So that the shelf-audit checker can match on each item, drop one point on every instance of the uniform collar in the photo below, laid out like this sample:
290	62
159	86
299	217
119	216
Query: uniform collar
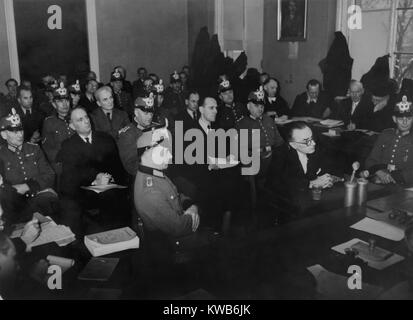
256	119
151	171
14	149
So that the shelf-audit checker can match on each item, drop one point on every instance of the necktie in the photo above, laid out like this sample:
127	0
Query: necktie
28	112
195	115
108	115
87	140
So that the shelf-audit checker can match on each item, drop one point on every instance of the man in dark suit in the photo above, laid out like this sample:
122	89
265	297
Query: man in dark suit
30	116
312	103
89	158
357	110
87	100
275	105
107	118
298	165
137	85
384	103
190	115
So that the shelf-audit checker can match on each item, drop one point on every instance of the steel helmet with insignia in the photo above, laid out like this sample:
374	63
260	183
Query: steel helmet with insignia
257	97
116	75
75	88
11	122
224	85
403	108
61	92
145	103
154	136
159	88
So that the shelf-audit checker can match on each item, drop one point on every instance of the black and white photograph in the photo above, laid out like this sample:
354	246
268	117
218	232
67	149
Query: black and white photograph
205	155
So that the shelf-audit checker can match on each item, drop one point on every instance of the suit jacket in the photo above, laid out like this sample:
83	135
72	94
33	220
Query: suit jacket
101	122
382	119
188	121
32	122
123	101
316	110
280	106
287	175
89	105
81	162
361	115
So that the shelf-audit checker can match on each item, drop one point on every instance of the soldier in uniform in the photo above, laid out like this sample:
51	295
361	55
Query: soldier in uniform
75	93
56	128
229	112
162	209
128	136
46	105
25	168
269	136
174	100
107	118
122	99
390	159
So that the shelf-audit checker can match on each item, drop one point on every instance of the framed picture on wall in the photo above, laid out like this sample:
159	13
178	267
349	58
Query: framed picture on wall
292	20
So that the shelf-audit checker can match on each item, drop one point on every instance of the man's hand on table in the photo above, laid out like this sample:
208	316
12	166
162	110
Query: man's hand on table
384	177
102	179
323	182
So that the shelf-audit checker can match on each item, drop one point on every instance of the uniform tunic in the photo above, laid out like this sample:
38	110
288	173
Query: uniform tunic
392	152
228	117
55	131
159	204
128	152
28	165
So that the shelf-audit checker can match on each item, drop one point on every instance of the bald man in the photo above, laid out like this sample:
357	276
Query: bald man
356	110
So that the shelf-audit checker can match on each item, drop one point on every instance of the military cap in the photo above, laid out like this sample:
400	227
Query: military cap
257	96
11	122
153	136
403	108
145	103
61	92
75	88
116	75
224	85
175	77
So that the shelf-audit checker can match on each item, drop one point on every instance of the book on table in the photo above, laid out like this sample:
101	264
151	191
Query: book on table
107	242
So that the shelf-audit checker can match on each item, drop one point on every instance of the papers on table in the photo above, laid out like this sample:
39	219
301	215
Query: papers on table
223	163
306	119
379	265
50	232
379	228
335	287
111	241
332	123
99	189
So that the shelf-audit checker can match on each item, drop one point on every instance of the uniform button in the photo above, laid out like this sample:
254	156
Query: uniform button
394	150
392	156
172	197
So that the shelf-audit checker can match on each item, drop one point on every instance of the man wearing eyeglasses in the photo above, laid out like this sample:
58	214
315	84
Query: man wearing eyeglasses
298	164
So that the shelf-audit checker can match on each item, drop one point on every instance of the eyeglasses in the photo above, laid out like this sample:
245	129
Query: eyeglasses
308	142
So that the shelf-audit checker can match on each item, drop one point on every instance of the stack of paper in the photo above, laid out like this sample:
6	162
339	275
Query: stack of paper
103	188
50	232
379	228
111	241
332	123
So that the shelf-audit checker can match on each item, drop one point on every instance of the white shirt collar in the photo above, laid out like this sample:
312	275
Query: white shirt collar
89	137
204	125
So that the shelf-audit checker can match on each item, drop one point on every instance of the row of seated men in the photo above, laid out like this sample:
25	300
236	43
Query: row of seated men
76	163
144	149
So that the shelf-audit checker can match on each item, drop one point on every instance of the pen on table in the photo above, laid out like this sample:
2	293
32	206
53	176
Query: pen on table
318	172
